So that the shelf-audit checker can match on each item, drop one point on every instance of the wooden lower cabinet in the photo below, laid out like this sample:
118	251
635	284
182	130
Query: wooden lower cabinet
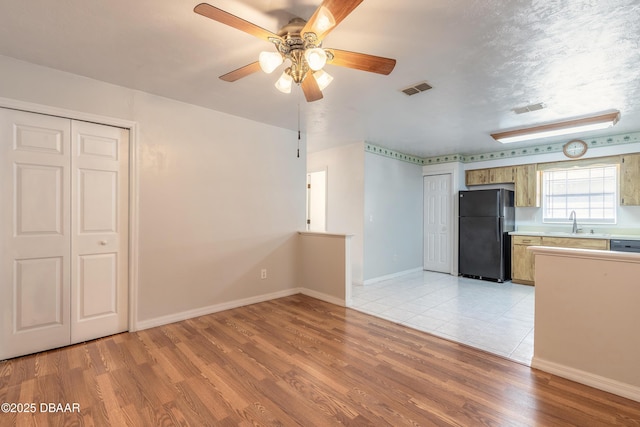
522	266
523	261
576	243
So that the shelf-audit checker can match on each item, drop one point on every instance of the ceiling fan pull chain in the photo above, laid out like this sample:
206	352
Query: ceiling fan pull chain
298	125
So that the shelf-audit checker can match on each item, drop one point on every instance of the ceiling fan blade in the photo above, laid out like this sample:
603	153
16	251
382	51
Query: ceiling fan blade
362	61
322	23
226	18
310	88
241	72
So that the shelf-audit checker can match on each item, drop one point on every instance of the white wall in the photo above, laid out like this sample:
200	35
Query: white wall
392	216
220	197
345	196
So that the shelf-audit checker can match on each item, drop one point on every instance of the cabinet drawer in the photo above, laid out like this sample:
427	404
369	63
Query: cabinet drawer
568	242
526	240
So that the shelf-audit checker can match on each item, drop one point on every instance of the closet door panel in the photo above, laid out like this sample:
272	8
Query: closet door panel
99	305
36	233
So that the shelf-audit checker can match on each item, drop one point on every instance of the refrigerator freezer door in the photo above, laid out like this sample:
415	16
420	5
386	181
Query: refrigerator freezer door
481	248
480	203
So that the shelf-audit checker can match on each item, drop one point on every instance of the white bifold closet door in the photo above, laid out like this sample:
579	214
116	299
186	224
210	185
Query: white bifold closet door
64	224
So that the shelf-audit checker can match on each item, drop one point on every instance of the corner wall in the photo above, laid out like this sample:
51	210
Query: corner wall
345	196
393	216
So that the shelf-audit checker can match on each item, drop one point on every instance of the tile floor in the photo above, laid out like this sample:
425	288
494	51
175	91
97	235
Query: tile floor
496	317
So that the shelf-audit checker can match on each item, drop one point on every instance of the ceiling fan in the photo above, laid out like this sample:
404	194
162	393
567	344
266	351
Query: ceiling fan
300	42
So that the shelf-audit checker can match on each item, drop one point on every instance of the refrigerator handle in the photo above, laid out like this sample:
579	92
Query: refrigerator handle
498	231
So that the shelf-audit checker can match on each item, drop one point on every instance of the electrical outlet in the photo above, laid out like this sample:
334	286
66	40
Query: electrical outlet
263	273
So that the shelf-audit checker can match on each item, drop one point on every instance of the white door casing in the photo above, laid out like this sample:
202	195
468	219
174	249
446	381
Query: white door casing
317	201
437	223
40	168
99	231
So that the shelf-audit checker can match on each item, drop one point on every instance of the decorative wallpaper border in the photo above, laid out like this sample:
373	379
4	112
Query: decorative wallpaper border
604	141
386	152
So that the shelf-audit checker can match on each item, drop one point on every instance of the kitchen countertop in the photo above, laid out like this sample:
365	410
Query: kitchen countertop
576	235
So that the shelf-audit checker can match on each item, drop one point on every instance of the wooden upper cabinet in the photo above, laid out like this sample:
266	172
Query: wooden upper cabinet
502	175
630	180
476	177
527	187
525	177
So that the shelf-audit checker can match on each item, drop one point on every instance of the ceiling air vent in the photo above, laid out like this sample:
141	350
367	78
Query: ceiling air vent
529	108
416	88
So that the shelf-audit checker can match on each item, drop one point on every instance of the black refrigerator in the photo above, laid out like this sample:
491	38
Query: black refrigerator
484	246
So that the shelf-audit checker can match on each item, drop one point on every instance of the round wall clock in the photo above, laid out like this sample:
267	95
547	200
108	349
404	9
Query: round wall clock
575	148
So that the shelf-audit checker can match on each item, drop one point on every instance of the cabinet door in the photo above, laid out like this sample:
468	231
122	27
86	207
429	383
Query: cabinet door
630	180
522	265
502	175
477	177
527	188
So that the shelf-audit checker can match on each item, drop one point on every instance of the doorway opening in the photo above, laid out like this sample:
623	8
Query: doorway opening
317	201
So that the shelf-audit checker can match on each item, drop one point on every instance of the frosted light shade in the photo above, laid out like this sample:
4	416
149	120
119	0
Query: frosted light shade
269	61
284	83
323	78
316	58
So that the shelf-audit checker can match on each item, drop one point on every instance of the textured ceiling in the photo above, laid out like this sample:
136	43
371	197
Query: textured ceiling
482	57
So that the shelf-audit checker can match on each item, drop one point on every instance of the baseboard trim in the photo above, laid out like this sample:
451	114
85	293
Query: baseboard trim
202	311
391	276
602	383
323	297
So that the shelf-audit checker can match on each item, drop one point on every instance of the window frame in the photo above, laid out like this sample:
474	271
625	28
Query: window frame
581	218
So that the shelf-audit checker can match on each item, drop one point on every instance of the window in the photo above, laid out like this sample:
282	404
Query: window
589	191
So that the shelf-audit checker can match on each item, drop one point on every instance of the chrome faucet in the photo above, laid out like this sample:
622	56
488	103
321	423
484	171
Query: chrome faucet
572	216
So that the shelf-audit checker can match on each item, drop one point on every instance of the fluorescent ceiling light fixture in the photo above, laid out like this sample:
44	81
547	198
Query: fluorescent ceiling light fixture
269	61
586	124
323	78
316	58
284	83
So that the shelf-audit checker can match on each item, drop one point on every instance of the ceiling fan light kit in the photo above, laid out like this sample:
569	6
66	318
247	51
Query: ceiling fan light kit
323	78
316	58
300	42
284	83
269	61
567	127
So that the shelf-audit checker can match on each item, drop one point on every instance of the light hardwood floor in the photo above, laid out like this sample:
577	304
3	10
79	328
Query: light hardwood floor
295	361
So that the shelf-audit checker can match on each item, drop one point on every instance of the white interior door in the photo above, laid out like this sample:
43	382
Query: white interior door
317	201
99	261
437	223
64	224
35	241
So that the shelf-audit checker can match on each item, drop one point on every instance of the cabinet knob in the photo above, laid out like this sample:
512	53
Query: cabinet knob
103	242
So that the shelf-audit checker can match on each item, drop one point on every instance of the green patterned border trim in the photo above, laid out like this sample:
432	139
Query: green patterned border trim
629	138
386	152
